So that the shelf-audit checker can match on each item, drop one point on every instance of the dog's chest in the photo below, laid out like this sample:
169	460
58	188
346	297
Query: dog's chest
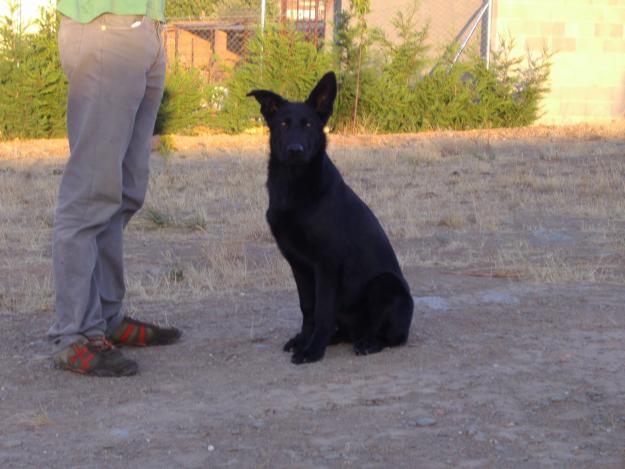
289	232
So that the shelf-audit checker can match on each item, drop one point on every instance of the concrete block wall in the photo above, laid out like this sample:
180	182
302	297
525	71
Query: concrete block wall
588	37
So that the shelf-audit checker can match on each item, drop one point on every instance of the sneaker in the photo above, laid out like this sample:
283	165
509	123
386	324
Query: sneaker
139	334
94	356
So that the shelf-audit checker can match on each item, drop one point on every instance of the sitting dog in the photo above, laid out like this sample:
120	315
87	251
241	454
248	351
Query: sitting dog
350	285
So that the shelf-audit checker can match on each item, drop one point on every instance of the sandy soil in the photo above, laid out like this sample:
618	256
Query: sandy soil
517	352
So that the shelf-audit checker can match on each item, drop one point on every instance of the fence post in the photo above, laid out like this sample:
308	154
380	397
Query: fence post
263	9
489	24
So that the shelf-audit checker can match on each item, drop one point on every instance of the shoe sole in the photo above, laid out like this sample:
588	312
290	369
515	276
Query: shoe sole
129	370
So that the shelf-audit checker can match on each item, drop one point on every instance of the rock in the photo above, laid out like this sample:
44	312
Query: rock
433	302
120	432
476	434
425	422
501	298
258	424
546	236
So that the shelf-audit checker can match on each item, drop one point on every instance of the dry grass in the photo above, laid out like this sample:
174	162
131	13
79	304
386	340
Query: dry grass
544	204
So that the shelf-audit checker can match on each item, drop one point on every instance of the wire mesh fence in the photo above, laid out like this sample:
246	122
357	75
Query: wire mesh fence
454	21
213	45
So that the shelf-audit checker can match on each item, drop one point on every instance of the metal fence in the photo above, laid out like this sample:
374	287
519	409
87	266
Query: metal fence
448	22
465	23
212	45
215	44
307	16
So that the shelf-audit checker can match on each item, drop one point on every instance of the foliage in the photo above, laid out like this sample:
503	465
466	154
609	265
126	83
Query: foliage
351	50
470	95
189	8
166	146
397	95
279	60
33	91
187	101
384	85
227	8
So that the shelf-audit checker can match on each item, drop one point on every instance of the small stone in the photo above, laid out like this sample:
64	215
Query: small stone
425	422
476	434
120	432
501	298
432	302
211	448
258	424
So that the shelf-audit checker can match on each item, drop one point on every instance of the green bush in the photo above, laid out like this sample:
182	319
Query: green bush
280	60
189	8
187	101
33	90
384	86
397	95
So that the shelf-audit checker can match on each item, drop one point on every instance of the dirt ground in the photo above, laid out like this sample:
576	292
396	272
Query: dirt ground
513	243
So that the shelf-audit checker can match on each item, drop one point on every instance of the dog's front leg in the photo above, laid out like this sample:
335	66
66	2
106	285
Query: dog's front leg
304	279
326	294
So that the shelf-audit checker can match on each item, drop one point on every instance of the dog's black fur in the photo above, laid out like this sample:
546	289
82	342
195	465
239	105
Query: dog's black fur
349	282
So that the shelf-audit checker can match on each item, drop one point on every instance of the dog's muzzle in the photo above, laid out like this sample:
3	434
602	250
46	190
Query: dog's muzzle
295	149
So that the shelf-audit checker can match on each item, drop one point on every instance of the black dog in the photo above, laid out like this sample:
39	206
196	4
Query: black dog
349	282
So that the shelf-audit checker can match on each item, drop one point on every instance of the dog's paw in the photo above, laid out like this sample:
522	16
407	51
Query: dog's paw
307	356
367	347
294	344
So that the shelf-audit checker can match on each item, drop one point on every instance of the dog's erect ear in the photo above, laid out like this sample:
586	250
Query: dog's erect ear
269	102
321	99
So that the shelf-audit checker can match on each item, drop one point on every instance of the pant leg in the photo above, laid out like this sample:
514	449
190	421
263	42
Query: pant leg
106	63
135	169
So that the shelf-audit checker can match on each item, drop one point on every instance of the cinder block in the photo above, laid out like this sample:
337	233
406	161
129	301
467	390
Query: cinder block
574	108
618	108
599	108
616	31
614	45
608	30
552	28
525	27
537	44
564	44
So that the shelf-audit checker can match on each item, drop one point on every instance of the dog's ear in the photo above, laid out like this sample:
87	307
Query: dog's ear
269	102
321	99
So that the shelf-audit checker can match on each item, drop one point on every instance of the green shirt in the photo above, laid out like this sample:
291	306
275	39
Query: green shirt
85	11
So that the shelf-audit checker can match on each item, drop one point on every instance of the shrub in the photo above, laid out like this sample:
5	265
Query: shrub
383	85
279	60
33	90
397	95
187	101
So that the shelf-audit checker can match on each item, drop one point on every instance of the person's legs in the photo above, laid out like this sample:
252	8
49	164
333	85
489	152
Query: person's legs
107	63
109	272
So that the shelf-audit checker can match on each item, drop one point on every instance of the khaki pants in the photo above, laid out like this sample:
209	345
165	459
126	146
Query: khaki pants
115	66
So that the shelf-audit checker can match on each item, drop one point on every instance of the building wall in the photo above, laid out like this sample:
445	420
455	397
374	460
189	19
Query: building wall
588	38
